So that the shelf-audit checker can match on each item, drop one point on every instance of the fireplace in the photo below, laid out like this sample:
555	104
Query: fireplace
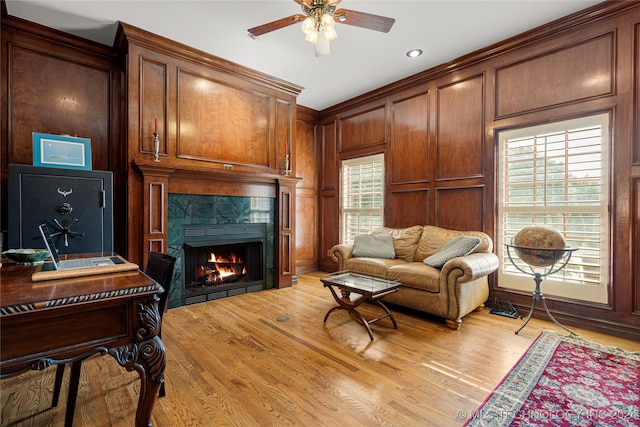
199	221
221	260
180	192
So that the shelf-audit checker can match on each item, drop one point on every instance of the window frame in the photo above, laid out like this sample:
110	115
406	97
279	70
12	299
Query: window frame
372	158
560	284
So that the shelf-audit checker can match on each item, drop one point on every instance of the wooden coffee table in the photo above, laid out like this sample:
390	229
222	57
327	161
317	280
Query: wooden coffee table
370	288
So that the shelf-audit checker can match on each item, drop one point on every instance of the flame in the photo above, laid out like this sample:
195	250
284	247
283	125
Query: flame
225	272
232	258
221	262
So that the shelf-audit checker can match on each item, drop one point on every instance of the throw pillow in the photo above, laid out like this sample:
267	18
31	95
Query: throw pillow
404	240
458	246
374	246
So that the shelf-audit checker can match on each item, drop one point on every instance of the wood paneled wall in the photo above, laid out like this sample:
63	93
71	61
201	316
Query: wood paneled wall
437	161
438	132
224	129
305	158
56	83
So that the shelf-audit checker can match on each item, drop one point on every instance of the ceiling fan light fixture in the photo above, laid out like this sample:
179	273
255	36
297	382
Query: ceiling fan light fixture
328	27
309	25
317	23
330	35
312	37
327	21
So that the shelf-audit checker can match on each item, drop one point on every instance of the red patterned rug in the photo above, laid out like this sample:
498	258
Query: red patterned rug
566	381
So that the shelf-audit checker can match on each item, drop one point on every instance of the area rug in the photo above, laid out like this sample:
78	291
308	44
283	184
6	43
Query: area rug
566	381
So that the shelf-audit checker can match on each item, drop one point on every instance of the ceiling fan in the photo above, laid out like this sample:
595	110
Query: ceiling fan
318	22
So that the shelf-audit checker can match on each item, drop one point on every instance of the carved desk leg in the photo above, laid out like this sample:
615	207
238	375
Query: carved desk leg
147	357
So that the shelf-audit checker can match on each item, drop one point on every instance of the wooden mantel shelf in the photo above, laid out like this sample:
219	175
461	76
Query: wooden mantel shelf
184	171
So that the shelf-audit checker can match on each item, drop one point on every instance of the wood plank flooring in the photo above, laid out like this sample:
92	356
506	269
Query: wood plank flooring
267	359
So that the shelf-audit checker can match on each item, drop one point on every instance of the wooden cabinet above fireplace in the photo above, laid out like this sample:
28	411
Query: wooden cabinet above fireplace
205	110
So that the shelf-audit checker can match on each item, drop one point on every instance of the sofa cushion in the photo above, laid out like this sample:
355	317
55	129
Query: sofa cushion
404	240
416	275
458	246
374	246
376	266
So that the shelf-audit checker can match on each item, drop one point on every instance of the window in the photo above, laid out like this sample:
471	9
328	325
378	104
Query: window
362	205
557	175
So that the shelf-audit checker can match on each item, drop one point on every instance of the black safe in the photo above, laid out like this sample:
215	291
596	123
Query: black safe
76	205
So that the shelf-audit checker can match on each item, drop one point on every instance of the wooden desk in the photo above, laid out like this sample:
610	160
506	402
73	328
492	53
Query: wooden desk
66	320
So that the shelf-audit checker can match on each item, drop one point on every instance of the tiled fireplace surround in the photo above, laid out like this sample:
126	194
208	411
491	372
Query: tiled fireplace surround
176	193
211	209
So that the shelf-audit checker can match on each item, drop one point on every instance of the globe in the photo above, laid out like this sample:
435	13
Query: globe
537	245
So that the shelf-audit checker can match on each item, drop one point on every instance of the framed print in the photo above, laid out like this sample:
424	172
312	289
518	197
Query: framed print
61	151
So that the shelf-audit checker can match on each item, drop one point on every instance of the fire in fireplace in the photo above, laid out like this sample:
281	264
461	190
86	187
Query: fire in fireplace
223	266
221	260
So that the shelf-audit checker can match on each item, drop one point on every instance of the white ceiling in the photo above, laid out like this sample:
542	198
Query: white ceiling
361	60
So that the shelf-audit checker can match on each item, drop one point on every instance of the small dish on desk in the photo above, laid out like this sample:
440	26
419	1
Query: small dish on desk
26	256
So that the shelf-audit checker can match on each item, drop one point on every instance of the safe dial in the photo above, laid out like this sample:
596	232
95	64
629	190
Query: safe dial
65	208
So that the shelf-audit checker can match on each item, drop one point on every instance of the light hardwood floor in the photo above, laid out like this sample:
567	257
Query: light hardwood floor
267	359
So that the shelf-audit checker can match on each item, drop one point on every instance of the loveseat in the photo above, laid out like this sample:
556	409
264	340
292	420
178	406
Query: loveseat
451	291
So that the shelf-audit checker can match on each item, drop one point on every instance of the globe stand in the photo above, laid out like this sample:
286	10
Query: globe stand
558	255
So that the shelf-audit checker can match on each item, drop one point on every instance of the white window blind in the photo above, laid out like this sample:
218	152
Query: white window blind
556	175
362	205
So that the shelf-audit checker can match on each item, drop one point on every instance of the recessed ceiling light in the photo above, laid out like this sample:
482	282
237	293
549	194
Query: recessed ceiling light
414	53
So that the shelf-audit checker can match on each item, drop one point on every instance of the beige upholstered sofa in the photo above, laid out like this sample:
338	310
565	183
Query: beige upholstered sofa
452	291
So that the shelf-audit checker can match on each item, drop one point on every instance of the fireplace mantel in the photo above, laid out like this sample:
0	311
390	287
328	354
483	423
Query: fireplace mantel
213	173
161	178
190	179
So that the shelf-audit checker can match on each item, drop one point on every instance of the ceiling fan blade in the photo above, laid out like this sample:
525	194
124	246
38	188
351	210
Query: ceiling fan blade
364	20
275	25
322	48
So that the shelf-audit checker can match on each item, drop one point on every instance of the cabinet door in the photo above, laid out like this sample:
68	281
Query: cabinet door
77	207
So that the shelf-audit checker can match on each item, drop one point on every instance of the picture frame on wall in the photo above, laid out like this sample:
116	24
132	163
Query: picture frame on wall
61	151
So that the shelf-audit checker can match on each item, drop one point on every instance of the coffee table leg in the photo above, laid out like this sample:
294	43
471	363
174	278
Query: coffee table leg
364	322
331	311
353	311
347	304
386	310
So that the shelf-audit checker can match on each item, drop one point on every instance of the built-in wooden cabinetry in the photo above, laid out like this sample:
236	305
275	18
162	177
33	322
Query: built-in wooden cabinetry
438	131
223	130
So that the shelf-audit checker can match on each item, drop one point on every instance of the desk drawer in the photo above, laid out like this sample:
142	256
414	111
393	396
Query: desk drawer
67	331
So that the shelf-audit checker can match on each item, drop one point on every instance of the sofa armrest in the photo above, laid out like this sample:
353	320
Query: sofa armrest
341	253
470	267
464	283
